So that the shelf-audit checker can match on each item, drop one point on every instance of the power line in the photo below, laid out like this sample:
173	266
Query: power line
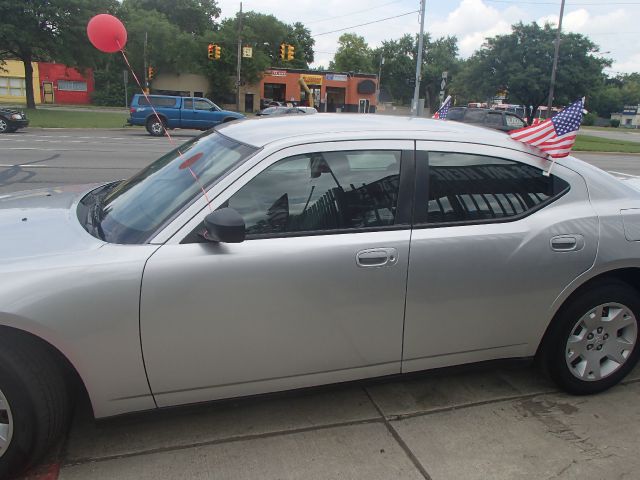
353	13
368	23
578	4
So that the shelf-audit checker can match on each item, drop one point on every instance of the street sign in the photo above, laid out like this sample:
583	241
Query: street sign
247	52
445	75
443	84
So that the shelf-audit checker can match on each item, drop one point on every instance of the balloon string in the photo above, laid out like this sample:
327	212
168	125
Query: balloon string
166	132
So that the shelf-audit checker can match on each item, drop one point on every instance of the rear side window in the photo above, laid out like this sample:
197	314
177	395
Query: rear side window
455	114
494	119
471	188
158	101
321	192
513	121
474	115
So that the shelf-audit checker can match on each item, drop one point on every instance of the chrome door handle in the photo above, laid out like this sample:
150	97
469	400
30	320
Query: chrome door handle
567	243
377	257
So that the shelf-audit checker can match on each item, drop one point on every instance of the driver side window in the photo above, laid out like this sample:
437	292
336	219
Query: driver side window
325	191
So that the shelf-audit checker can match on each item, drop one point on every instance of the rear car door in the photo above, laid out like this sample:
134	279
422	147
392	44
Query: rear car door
189	119
495	242
316	292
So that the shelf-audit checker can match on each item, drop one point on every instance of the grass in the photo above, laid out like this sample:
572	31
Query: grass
75	119
585	143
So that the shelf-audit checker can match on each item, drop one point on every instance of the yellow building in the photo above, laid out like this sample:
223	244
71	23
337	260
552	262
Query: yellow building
12	82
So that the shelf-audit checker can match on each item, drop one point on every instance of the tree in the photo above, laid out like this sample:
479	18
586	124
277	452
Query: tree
353	55
399	66
440	56
520	63
33	30
192	16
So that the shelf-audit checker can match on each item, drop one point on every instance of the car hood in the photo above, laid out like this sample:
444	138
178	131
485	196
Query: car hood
9	111
42	222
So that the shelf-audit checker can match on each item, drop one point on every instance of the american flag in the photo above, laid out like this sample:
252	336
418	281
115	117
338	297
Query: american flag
556	135
443	111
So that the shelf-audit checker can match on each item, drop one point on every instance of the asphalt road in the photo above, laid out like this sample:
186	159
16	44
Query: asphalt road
36	158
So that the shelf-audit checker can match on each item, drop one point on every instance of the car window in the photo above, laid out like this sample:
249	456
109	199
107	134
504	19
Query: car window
474	115
321	191
466	187
188	104
494	119
513	121
202	105
158	101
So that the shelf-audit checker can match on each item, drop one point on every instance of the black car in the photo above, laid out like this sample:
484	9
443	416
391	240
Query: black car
286	111
486	117
12	120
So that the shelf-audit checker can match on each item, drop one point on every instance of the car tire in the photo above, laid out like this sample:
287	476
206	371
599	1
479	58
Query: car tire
35	409
593	342
156	127
4	125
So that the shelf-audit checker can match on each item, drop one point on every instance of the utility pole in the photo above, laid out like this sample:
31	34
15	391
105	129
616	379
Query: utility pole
416	92
239	59
144	56
555	62
379	79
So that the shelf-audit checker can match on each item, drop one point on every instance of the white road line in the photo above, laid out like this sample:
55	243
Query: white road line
36	165
625	174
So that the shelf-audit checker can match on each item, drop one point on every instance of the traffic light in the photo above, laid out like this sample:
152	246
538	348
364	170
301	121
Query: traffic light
290	52
283	48
210	53
217	52
151	72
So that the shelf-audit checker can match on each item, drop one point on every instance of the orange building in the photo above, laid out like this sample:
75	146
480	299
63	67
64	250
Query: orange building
332	92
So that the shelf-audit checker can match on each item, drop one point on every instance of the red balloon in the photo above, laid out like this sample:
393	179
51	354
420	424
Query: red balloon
107	33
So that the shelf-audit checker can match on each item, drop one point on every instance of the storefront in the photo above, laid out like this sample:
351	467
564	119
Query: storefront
13	85
332	92
62	84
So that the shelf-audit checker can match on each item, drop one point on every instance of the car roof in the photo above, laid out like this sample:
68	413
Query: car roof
342	126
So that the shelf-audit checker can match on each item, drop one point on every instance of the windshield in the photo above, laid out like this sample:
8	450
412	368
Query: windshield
133	210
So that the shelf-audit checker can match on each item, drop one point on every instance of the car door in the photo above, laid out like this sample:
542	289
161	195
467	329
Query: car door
187	112
495	242
205	113
315	294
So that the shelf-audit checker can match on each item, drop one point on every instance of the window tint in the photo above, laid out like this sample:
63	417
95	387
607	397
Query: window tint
188	104
513	121
158	101
475	115
202	105
322	191
465	187
494	119
455	114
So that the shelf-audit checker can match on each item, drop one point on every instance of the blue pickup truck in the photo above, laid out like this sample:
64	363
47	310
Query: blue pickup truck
177	112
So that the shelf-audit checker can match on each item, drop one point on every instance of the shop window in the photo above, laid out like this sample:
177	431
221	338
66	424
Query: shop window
12	86
72	86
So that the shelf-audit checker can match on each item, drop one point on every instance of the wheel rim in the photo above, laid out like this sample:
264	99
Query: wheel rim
6	424
156	127
601	341
3	125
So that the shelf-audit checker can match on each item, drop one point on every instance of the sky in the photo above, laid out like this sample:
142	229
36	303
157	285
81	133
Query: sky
611	24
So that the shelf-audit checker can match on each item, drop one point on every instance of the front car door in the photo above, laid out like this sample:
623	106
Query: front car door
316	292
495	242
205	113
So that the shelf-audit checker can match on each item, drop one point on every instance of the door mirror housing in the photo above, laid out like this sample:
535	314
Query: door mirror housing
225	226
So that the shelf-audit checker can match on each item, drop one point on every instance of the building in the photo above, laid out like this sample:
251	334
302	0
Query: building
332	92
52	83
629	117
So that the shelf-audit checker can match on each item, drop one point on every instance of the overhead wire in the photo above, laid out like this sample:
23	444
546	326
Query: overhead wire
367	23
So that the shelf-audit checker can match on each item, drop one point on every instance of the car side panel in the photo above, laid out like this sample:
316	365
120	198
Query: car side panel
86	305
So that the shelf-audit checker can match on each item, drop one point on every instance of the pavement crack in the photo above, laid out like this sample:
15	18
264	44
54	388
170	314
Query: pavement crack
403	445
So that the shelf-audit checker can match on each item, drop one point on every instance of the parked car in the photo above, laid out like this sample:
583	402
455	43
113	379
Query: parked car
177	112
272	111
11	120
497	119
359	246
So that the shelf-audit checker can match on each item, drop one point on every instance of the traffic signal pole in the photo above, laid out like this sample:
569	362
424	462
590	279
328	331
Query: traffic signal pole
416	92
239	59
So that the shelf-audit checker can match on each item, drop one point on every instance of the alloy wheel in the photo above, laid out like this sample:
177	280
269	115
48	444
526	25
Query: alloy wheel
156	127
601	341
6	424
3	125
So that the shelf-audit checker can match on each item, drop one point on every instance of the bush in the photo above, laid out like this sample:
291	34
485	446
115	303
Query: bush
589	119
614	122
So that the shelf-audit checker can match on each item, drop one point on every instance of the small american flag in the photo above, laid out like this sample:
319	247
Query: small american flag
556	135
443	111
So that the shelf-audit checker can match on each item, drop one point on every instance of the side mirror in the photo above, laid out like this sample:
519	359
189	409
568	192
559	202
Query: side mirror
224	225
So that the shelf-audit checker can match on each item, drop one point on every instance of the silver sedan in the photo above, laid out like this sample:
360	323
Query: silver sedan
266	256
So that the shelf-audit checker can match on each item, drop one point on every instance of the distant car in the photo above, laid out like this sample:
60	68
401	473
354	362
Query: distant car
286	111
279	254
497	119
11	120
177	112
